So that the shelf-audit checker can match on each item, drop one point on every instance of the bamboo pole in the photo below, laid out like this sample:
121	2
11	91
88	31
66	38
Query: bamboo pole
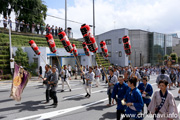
43	59
58	61
103	69
78	63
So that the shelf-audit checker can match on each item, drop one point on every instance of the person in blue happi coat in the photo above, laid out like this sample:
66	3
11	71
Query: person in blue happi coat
146	91
133	100
120	89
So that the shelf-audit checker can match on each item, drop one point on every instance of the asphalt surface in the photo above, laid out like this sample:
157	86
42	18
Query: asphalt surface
71	105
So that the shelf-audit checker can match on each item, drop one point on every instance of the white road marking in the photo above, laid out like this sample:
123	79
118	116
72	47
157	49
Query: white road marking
74	96
74	89
59	112
178	107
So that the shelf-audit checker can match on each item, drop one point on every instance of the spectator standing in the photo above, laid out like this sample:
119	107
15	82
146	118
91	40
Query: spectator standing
56	31
21	25
38	28
59	30
5	22
52	30
27	27
42	29
17	24
47	28
10	22
33	27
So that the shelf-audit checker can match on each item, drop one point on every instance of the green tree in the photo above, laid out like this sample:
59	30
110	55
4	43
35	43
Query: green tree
166	57
21	57
28	10
174	57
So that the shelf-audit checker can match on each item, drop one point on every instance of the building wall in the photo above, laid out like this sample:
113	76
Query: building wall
139	46
116	47
47	57
176	49
175	41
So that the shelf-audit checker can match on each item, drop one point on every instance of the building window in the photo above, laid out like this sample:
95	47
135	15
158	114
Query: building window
120	54
108	42
109	54
36	62
120	40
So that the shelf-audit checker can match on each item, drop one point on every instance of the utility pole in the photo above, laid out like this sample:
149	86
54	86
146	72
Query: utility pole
66	16
93	19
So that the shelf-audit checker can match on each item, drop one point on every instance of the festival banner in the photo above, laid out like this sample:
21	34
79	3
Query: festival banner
20	79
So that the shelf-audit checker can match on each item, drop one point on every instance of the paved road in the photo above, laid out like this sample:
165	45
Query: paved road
72	105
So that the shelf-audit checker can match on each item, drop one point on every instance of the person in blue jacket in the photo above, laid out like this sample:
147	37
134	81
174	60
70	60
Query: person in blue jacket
120	89
146	91
133	100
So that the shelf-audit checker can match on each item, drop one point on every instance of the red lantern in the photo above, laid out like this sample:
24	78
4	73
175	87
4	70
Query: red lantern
104	48
51	43
86	49
127	45
65	41
75	50
34	47
89	38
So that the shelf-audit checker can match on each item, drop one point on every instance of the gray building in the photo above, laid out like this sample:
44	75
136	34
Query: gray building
139	46
148	48
115	47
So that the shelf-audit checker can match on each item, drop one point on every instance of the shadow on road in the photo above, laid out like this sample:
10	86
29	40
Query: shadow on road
76	98
178	99
1	117
25	106
100	107
6	100
108	116
4	90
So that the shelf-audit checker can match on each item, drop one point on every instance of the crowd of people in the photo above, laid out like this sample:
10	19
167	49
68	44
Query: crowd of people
39	28
127	86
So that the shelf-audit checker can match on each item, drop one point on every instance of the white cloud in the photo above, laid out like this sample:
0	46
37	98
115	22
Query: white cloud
156	15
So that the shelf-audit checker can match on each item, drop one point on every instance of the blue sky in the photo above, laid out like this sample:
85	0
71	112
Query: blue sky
154	15
57	4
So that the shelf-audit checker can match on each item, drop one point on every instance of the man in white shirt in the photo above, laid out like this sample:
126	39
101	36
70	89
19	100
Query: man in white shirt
97	75
64	77
69	69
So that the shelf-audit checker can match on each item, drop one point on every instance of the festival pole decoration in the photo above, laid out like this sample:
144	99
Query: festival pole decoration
86	51
52	45
127	46
70	48
35	49
75	53
90	41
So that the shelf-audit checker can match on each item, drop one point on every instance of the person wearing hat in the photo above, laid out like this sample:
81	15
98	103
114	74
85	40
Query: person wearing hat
119	90
53	82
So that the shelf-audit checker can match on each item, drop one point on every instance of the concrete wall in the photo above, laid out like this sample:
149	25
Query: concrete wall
115	47
139	47
175	41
